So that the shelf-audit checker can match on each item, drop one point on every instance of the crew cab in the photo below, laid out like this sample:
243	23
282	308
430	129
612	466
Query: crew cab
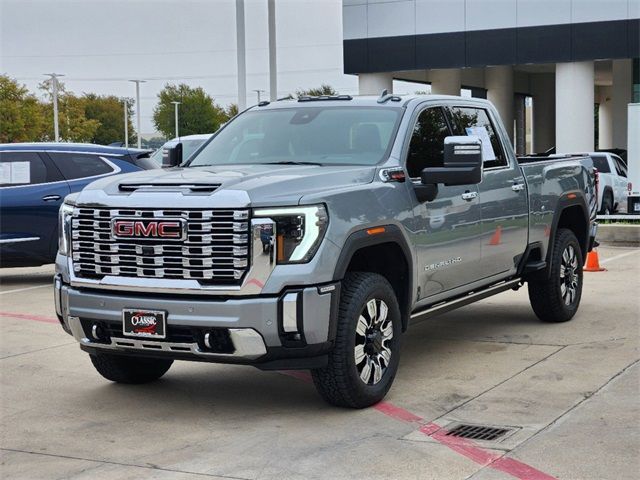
381	211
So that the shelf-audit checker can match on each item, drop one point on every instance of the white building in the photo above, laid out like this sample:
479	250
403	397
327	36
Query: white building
567	55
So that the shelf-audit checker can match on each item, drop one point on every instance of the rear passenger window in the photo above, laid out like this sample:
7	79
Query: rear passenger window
622	170
427	141
474	121
80	165
601	163
22	168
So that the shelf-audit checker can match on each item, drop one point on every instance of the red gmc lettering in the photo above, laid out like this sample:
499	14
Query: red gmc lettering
132	228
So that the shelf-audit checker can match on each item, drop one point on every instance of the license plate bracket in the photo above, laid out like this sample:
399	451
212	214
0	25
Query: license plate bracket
144	323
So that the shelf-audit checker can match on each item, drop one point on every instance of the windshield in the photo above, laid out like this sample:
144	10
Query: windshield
318	135
188	147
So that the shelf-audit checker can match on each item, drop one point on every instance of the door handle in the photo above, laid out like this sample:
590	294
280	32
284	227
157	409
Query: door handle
51	198
468	196
517	187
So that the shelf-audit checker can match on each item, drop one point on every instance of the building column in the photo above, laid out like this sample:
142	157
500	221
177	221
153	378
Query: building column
374	83
621	97
574	107
445	82
499	84
543	90
605	118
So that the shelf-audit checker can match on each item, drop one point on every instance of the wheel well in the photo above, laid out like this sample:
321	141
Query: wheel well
574	219
388	260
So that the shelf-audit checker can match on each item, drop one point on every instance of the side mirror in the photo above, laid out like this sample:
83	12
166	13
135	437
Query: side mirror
462	163
172	156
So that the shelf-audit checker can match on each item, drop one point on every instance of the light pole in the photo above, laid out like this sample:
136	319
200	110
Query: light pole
126	123
138	82
259	92
175	104
240	57
54	87
273	64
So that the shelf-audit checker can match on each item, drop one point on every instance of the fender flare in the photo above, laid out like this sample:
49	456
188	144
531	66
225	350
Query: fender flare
564	203
361	239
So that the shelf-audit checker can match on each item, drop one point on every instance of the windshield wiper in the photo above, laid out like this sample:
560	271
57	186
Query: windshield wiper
291	162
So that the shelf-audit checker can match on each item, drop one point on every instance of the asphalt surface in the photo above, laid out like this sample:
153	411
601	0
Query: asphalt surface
570	394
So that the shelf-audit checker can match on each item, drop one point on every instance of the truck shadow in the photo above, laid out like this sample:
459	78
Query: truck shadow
192	389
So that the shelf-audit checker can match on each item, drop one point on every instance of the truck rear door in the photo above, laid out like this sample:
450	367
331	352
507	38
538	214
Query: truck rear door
503	193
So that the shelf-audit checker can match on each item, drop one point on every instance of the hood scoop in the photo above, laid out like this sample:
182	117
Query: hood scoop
184	188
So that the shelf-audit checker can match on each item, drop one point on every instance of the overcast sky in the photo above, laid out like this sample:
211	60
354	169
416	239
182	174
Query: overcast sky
100	44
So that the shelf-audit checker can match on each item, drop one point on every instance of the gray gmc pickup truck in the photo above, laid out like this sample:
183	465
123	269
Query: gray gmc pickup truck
311	233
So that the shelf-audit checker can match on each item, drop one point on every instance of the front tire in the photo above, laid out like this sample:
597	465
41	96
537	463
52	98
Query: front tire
365	357
130	370
556	299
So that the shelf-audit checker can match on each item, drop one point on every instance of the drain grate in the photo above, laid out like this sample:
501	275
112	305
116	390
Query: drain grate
478	432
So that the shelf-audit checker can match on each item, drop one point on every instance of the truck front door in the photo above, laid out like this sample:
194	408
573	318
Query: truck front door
446	230
503	193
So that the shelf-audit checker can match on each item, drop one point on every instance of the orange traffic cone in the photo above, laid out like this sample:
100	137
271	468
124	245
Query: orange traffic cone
593	262
496	237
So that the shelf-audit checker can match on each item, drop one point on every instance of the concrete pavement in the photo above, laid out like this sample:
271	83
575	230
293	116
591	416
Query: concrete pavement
570	392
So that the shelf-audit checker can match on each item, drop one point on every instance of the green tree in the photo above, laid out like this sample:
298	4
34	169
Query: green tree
197	111
109	111
231	111
323	89
73	124
21	115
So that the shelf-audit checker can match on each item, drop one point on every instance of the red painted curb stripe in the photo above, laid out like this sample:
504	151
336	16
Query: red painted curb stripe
396	412
35	318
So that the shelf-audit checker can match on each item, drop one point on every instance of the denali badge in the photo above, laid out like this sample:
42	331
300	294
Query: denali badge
148	229
443	264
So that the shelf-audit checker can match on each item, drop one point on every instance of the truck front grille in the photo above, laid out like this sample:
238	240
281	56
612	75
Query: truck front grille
214	250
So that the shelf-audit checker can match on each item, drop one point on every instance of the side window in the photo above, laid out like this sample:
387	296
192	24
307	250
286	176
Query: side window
80	165
475	121
601	163
622	171
22	168
426	148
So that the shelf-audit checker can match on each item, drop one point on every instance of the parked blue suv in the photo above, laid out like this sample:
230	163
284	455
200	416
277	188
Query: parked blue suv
35	178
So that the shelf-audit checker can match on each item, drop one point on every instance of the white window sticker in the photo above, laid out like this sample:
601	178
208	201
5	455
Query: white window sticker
15	172
487	148
5	172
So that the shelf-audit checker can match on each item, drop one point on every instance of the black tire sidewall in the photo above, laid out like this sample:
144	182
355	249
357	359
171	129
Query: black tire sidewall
380	290
567	238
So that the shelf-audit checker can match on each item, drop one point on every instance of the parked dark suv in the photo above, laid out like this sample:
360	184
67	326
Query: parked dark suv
35	178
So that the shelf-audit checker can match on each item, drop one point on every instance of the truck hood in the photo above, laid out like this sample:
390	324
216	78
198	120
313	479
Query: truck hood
257	185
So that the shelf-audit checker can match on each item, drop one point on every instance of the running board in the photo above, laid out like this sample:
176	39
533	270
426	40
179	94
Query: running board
463	300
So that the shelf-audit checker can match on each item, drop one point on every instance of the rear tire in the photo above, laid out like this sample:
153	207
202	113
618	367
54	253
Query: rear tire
365	357
607	204
130	370
556	298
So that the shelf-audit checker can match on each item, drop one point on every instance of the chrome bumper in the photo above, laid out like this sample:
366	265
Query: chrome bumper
247	342
296	318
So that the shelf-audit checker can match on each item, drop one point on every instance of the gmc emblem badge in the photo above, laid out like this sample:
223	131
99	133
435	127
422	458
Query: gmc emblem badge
170	229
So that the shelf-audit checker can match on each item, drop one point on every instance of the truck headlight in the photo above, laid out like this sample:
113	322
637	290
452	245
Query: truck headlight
64	229
299	231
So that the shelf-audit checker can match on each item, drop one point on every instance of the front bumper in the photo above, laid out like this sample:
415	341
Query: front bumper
292	330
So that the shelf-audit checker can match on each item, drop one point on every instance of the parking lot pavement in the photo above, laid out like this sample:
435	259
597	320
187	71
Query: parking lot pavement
570	394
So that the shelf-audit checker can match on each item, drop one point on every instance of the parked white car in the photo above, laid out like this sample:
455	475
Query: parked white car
613	185
190	143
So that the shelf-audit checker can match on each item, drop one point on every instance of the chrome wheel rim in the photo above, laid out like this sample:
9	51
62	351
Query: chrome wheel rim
569	277
374	332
